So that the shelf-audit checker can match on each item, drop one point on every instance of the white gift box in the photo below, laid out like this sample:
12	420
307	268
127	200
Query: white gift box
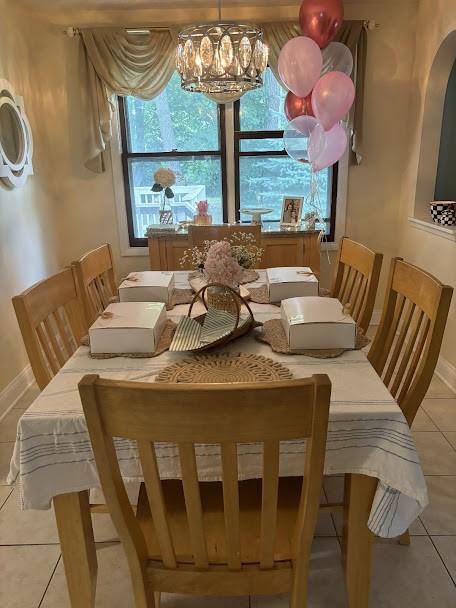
147	286
291	282
317	323
128	327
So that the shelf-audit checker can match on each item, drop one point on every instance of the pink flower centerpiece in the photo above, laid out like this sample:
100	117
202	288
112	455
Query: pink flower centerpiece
221	267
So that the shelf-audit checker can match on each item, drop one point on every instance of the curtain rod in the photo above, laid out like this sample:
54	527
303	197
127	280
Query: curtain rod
71	31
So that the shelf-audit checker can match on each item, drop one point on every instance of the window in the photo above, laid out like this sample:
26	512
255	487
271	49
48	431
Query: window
187	133
263	170
179	130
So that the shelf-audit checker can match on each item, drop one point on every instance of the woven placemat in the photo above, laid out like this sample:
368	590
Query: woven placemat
272	333
224	368
163	345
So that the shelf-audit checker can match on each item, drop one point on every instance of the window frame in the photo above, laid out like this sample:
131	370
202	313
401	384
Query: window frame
126	155
240	135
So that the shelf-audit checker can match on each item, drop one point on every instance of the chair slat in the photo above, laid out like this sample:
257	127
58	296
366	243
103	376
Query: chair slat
359	299
231	504
391	334
413	368
351	291
43	338
94	296
63	327
193	505
156	501
56	348
101	288
410	344
399	343
271	454
346	282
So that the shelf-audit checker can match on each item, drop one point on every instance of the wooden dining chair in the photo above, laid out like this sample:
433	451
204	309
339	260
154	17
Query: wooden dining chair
407	344
51	322
356	280
198	234
96	281
226	537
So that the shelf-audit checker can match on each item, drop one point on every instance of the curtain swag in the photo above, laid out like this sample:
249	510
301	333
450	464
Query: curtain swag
119	62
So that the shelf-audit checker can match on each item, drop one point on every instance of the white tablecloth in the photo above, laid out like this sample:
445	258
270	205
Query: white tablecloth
367	433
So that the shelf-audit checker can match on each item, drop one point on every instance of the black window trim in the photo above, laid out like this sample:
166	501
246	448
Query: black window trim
127	155
240	135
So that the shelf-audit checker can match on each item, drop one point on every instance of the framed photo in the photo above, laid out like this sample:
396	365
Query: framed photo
291	210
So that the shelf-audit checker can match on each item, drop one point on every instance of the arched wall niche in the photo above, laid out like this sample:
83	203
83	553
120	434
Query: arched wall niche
432	125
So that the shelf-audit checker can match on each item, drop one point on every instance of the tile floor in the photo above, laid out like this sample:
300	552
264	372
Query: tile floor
420	576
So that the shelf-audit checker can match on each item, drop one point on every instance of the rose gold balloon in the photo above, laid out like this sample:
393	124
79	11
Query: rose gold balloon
298	106
321	20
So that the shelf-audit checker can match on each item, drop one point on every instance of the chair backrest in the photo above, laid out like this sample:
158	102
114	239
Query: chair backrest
199	234
356	280
223	415
51	322
96	281
407	344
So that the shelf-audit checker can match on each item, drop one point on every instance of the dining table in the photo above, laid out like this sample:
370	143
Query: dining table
369	443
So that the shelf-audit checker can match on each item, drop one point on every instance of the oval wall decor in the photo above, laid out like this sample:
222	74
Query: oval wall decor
16	142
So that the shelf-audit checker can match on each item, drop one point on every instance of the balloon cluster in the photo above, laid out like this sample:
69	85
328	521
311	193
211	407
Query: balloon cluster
317	73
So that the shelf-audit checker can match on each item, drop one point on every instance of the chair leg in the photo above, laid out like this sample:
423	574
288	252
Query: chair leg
157	596
404	539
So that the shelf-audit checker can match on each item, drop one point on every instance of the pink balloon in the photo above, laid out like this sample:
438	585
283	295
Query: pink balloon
300	62
334	145
332	98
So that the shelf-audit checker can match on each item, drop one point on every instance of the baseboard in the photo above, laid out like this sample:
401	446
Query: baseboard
11	394
446	372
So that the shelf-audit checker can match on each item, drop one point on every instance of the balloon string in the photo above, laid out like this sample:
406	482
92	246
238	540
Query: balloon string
314	202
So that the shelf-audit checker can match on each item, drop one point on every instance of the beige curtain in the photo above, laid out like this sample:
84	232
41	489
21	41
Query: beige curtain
119	62
353	34
123	63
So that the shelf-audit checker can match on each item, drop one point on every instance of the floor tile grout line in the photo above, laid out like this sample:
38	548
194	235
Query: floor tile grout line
447	440
435	424
6	499
443	562
49	581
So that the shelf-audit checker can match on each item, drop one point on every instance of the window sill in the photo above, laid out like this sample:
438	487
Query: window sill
441	231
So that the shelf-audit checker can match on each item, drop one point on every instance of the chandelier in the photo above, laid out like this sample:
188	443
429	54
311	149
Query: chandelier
221	57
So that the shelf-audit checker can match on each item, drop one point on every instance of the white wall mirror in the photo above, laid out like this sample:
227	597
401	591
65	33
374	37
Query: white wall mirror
16	143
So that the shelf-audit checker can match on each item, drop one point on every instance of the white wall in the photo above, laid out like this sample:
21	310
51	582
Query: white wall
28	230
436	21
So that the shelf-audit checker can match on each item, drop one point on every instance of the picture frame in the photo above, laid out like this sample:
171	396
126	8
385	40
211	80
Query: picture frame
291	210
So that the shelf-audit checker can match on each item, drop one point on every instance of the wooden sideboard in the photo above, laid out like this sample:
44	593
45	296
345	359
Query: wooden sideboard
281	248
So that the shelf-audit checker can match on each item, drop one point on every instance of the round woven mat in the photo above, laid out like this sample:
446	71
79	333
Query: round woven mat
224	367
